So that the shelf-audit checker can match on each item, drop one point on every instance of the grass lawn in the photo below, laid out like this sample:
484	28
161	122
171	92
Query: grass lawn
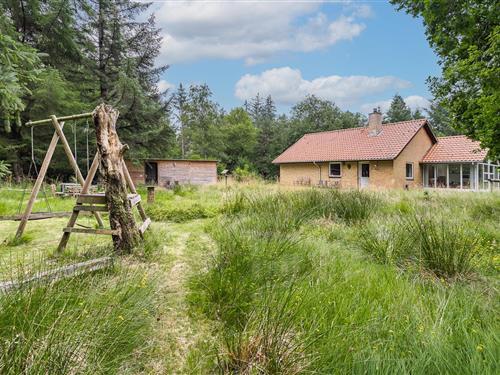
259	278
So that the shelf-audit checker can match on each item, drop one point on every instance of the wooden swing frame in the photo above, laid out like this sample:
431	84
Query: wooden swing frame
84	196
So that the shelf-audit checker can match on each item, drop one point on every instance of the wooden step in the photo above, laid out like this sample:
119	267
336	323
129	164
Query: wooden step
100	198
145	225
91	208
109	232
134	199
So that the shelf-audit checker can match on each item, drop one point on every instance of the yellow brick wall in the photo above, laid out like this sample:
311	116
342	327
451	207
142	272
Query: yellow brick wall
412	153
381	175
291	173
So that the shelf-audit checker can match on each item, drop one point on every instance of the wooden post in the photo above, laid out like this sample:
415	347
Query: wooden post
38	183
151	194
72	161
113	170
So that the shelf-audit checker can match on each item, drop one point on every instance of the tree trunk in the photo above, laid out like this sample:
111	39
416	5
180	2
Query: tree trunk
111	151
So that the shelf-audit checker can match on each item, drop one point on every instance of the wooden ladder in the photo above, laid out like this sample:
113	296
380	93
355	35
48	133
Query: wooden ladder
97	203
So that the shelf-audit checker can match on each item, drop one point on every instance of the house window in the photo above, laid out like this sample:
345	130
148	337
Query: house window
409	171
335	169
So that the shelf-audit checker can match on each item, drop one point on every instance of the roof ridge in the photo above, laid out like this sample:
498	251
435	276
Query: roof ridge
455	136
405	121
364	127
336	130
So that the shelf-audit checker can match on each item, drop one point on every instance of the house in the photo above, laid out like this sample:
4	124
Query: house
169	172
401	155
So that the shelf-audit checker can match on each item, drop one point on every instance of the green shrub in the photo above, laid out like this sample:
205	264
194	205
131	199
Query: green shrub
386	243
14	241
184	190
160	212
442	245
269	343
445	246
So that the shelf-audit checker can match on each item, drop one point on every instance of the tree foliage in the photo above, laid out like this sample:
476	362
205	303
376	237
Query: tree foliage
63	57
398	111
466	36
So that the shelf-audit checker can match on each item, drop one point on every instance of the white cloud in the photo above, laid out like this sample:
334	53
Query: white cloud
287	86
412	101
252	31
164	85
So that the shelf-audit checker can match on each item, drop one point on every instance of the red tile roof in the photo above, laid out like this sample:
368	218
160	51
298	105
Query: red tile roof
353	144
455	149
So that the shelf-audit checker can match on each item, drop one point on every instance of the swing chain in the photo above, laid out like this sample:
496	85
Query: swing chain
33	165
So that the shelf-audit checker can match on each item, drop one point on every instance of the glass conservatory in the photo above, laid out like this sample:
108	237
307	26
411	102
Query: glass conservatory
468	176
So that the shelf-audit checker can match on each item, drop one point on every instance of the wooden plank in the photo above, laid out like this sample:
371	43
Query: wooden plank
63	118
109	232
145	225
134	199
91	198
64	272
36	216
38	183
91	208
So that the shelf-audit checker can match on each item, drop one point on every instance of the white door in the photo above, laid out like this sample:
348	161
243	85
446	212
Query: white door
364	175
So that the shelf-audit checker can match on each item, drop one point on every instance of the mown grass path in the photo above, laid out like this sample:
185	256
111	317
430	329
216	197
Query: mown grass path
180	340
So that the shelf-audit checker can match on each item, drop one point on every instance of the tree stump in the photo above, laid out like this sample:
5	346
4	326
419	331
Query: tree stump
111	151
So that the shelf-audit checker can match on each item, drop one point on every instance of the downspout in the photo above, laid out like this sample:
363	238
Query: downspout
319	167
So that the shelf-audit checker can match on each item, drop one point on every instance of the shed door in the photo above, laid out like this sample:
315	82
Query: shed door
151	173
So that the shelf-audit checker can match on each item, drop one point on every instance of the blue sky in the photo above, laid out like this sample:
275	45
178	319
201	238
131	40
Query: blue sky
356	53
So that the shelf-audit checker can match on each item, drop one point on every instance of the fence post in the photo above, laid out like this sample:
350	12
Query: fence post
151	194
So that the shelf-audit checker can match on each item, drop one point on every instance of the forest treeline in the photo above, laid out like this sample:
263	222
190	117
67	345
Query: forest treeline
64	57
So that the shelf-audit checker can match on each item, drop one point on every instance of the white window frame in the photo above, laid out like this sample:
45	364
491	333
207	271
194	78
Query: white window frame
412	171
330	170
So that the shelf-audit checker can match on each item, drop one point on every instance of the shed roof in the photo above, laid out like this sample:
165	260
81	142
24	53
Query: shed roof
191	160
354	144
459	148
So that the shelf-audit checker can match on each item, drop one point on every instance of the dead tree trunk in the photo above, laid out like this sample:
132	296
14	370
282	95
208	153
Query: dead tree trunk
111	151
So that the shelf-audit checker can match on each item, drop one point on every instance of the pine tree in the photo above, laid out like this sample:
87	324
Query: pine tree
398	111
203	130
120	51
440	119
416	115
180	102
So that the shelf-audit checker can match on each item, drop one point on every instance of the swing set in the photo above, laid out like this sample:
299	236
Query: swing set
33	172
93	203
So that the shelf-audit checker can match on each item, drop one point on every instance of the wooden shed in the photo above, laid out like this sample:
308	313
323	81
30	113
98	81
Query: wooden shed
169	172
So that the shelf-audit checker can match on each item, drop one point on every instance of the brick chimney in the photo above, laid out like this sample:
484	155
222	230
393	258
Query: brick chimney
375	122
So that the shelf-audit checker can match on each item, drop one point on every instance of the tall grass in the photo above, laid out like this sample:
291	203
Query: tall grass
87	324
445	246
345	313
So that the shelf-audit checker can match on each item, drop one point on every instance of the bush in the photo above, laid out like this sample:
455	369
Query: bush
386	243
159	212
445	246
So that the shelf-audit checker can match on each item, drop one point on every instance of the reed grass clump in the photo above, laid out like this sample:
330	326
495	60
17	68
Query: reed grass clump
445	246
